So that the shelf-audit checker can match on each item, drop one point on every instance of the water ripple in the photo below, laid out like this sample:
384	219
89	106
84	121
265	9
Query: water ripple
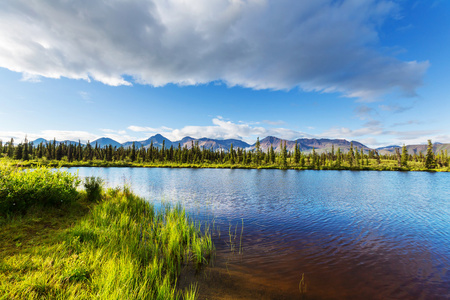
382	235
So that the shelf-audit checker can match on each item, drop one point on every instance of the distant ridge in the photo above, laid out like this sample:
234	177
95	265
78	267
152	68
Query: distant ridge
104	142
388	147
44	141
416	149
306	145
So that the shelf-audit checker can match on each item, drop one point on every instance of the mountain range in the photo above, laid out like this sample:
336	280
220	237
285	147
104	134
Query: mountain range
306	145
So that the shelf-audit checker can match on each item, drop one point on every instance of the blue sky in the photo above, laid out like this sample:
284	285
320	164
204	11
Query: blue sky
372	71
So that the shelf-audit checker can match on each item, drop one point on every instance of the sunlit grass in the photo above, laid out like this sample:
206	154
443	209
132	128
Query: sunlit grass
118	248
384	165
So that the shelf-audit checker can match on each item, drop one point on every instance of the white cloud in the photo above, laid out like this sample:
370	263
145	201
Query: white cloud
370	135
347	133
223	129
149	129
62	135
373	136
317	45
59	135
30	77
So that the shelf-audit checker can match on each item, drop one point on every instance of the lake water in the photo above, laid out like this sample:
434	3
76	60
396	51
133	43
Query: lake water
354	235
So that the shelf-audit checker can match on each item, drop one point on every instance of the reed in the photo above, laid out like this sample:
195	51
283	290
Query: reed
302	285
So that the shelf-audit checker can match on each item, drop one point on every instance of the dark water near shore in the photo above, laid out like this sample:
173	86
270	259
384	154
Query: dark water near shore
354	235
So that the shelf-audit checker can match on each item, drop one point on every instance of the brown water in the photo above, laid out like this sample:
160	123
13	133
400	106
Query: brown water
354	235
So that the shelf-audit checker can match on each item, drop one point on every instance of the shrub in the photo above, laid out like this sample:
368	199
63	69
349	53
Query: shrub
94	188
22	189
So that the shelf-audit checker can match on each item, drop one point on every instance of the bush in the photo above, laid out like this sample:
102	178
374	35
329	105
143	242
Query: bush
22	189
94	188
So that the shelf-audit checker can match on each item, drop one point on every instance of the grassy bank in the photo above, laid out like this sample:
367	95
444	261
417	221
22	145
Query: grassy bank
372	165
117	248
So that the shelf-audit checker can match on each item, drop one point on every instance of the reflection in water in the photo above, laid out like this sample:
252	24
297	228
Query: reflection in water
353	234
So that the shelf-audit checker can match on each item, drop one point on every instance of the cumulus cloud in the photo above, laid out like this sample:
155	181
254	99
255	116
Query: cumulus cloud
316	45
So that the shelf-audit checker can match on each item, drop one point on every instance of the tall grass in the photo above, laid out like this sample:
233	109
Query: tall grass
122	249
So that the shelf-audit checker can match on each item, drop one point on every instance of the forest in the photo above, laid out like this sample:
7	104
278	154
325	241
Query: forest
71	154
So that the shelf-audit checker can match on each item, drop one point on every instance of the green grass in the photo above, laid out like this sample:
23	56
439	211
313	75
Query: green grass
117	248
385	165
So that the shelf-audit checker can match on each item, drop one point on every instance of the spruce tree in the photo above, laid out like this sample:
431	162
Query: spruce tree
296	153
430	161
231	154
133	152
18	152
272	154
283	155
11	148
25	150
332	152
351	155
404	156
258	150
338	157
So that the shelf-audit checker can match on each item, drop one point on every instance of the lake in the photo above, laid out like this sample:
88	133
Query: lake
353	235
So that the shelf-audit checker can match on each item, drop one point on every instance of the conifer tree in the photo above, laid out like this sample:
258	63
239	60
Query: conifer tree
25	150
58	154
258	150
11	148
430	161
351	155
296	153
404	156
283	155
332	152
231	154
133	152
357	156
362	157
398	156
338	157
272	154
18	152
314	156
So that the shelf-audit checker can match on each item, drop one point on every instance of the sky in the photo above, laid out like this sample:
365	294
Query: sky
374	71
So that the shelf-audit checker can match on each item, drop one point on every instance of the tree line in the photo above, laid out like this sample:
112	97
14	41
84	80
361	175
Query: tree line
353	158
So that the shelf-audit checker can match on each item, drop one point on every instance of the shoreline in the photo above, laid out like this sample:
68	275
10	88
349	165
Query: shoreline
103	164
